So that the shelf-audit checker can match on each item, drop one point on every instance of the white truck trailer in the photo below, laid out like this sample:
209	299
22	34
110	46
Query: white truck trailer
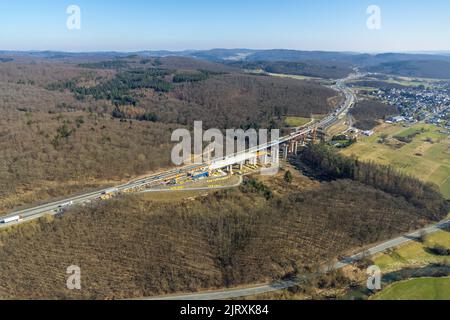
11	219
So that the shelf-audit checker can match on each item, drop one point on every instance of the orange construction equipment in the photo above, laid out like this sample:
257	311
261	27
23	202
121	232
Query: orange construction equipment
314	135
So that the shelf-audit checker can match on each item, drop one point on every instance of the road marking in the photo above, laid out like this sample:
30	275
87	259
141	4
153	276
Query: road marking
161	177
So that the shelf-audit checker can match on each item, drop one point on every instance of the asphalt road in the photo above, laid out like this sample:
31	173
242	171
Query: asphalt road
281	285
54	207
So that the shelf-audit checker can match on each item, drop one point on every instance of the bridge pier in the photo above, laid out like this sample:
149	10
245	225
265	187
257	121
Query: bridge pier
255	159
275	153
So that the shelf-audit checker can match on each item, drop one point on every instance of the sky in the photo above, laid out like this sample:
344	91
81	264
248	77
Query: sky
134	25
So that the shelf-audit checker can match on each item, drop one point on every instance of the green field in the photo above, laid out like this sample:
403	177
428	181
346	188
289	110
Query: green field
414	254
292	76
296	121
410	132
429	161
412	82
361	88
417	289
403	81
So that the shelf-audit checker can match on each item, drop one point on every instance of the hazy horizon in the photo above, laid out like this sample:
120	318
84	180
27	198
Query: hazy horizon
404	26
211	49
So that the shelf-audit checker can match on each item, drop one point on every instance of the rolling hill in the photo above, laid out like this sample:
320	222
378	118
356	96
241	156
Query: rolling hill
317	63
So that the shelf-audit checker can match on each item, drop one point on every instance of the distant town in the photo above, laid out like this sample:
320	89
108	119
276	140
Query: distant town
419	103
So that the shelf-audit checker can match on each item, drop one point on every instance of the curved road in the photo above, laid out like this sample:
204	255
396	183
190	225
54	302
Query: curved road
158	179
280	285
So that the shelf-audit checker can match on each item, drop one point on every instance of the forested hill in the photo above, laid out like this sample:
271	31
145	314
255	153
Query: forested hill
325	70
268	229
307	63
66	120
438	69
181	90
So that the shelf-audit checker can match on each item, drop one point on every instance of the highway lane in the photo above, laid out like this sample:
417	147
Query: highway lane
324	123
55	207
234	293
33	213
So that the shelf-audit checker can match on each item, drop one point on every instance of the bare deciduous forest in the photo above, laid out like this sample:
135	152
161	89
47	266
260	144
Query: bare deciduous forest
132	247
68	126
55	142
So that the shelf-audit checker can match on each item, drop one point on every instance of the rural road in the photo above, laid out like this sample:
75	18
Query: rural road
280	285
36	212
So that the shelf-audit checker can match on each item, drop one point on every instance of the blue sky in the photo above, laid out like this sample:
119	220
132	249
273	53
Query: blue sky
407	25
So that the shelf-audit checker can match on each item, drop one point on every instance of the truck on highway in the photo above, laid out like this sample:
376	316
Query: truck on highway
111	190
67	204
11	219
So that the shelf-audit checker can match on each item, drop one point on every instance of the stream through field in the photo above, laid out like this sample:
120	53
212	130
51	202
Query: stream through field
429	271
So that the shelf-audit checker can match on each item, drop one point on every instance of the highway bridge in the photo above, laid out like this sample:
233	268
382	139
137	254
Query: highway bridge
298	136
288	143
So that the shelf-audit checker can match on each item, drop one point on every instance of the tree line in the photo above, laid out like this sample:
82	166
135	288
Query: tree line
328	163
200	75
367	112
118	90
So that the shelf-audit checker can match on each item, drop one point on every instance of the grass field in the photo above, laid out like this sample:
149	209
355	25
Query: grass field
296	121
412	82
403	81
409	132
292	76
417	289
429	161
414	254
362	88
